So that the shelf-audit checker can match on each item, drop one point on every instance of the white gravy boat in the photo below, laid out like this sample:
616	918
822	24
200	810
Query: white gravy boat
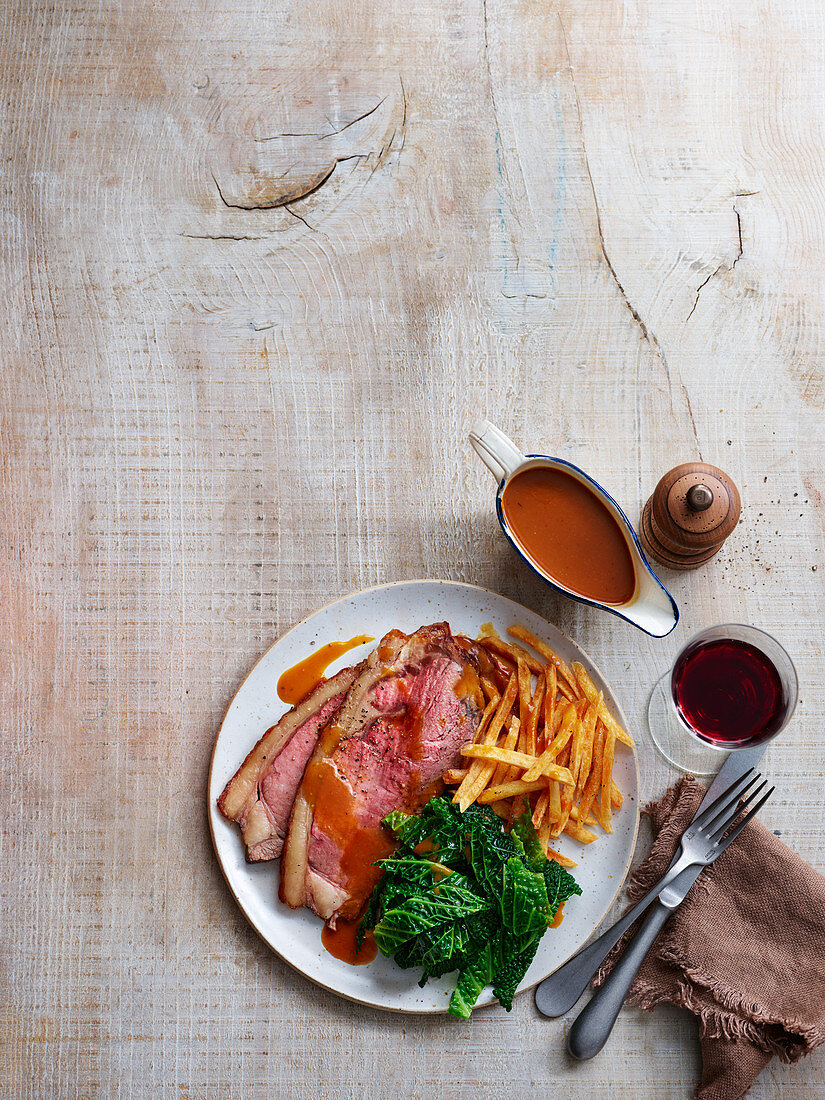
651	607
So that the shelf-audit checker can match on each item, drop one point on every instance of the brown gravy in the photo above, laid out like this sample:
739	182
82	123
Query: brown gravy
333	800
559	917
569	534
360	843
298	681
340	942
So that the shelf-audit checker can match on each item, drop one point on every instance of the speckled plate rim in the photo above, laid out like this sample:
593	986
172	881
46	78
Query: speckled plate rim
225	835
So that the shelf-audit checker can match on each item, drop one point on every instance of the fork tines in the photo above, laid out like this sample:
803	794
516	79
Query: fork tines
724	840
723	812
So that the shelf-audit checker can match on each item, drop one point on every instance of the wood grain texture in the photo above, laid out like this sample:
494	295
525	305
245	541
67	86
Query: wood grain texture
263	265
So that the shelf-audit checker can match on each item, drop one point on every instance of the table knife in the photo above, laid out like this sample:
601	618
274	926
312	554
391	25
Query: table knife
558	993
592	1028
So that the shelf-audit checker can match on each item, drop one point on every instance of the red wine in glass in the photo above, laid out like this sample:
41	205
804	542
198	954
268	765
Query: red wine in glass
731	687
729	692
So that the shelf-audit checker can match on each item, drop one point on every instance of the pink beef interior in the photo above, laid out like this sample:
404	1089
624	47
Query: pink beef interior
281	779
418	735
260	794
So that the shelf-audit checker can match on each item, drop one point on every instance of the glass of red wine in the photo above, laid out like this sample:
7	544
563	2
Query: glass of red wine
731	687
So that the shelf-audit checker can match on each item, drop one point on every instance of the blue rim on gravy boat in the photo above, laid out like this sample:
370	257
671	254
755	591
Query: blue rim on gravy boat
614	609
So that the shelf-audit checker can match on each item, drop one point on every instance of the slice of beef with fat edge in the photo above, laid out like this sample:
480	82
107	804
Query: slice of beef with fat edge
416	702
259	796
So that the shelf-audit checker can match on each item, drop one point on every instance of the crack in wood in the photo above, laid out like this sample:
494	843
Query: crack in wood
222	237
649	336
488	66
273	205
403	114
332	133
507	193
699	290
722	266
280	202
300	219
739	234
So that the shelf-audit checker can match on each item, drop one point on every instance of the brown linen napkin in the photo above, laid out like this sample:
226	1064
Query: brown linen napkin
744	952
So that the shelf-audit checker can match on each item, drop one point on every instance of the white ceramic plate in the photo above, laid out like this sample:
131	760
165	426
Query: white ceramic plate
296	936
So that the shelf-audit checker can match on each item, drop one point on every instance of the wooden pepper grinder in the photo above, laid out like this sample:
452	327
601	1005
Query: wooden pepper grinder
692	511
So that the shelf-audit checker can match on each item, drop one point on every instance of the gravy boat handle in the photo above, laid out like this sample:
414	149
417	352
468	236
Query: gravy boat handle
496	450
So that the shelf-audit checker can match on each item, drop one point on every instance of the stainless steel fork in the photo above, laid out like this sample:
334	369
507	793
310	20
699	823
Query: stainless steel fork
702	842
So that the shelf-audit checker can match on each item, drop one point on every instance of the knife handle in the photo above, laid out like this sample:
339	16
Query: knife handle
591	1029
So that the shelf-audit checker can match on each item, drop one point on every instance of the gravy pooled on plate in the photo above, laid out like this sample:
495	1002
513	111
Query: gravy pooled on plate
297	682
569	534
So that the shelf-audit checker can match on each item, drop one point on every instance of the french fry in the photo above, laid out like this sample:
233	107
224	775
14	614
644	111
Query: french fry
548	805
491	773
489	688
578	832
516	809
511	790
607	779
576	749
524	635
598	813
454	775
524	691
575	815
558	743
499	755
563	757
588	733
594	780
471	788
520	759
566	805
564	731
489	727
559	858
503	775
529	736
588	688
550	693
544	833
554	802
616	796
540	807
511	652
565	793
508	743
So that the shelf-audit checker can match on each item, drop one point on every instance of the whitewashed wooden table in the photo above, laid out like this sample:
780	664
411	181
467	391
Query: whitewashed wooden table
264	263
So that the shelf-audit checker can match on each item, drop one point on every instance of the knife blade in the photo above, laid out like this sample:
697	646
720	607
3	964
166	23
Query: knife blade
559	992
591	1030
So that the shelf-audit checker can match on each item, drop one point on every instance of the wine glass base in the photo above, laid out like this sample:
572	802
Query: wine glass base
673	741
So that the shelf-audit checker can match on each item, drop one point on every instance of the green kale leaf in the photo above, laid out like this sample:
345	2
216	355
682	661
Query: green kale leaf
462	895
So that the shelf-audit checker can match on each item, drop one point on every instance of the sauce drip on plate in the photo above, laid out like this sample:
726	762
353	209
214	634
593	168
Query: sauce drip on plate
333	799
569	534
340	942
360	841
298	681
559	917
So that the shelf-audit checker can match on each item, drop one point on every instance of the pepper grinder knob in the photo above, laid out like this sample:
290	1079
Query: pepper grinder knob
692	511
699	497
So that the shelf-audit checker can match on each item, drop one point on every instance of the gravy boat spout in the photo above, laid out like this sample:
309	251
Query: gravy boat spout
649	606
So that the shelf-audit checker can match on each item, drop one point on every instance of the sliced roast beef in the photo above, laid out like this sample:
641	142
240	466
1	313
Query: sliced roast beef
402	724
260	794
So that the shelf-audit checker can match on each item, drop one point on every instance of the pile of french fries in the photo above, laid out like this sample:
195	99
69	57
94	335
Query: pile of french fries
547	740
